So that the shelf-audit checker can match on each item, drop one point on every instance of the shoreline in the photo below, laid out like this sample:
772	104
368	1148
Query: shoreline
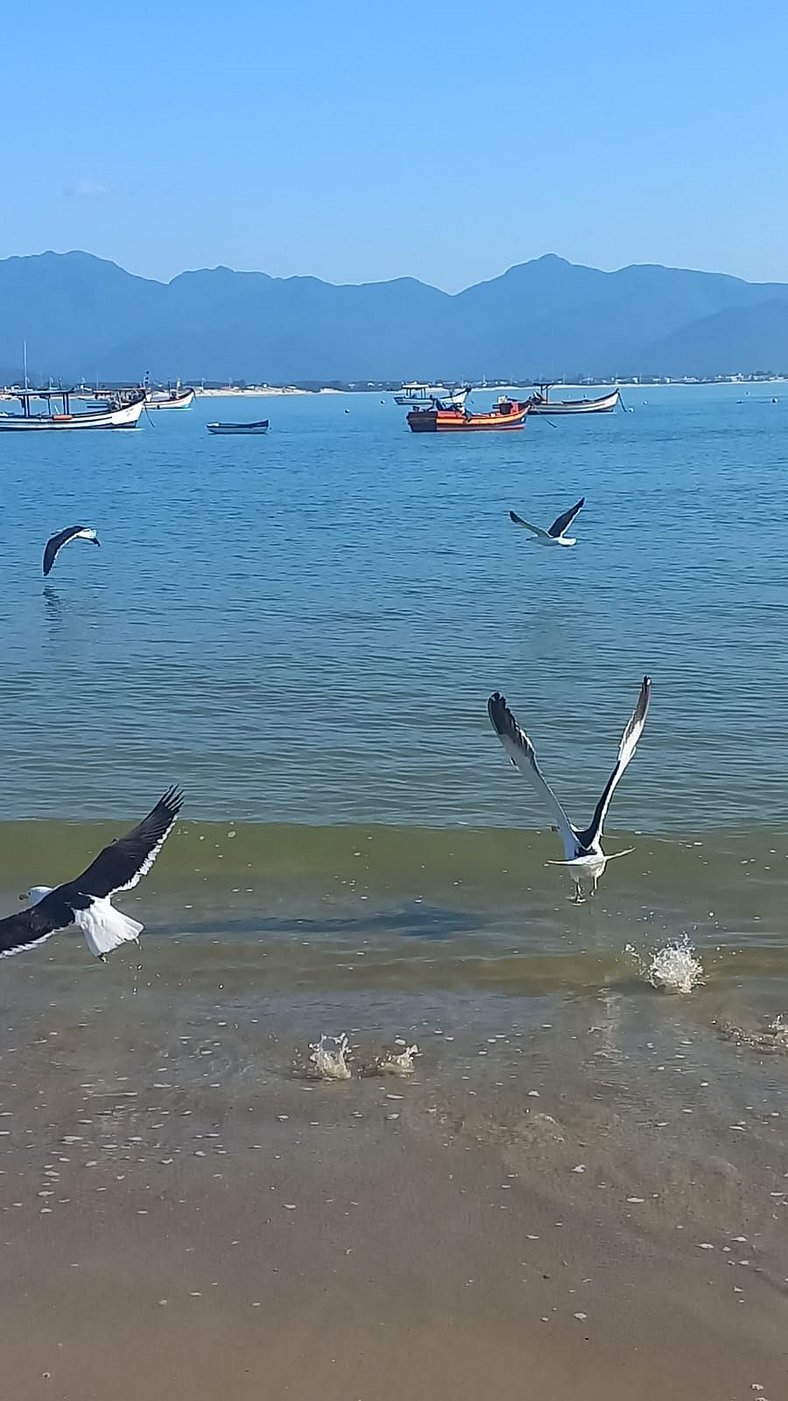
542	1194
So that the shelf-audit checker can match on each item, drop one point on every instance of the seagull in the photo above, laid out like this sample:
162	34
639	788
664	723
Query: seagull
555	535
582	849
87	901
74	532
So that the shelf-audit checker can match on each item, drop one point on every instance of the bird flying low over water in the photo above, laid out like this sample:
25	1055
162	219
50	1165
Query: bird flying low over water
582	849
555	535
87	901
73	532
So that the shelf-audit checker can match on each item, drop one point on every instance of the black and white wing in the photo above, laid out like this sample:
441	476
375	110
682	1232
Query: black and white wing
73	532
35	924
562	523
536	529
522	754
626	750
125	861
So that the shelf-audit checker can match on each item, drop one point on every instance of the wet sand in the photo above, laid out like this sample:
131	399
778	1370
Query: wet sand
571	1196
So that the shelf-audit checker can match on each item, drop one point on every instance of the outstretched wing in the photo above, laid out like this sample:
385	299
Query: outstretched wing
521	752
562	523
518	520
626	750
35	924
72	532
121	864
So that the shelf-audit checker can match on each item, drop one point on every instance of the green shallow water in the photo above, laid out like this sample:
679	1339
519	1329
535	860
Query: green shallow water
472	906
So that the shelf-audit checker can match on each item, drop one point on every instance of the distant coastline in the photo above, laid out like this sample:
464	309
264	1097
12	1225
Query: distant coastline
259	391
389	387
490	387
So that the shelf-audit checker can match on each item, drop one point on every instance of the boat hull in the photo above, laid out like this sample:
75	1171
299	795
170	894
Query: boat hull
125	417
607	404
453	421
261	427
182	400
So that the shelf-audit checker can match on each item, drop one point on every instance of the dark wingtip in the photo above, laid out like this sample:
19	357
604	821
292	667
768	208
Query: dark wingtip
513	517
644	697
172	800
498	711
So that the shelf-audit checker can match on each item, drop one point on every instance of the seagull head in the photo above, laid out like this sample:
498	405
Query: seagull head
36	893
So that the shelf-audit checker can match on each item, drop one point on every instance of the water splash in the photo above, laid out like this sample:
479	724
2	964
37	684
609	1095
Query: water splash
397	1059
771	1038
330	1058
673	968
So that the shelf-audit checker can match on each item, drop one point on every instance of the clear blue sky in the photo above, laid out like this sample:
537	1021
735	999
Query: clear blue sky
358	141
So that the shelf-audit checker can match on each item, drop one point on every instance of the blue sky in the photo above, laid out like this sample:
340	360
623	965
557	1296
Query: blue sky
364	141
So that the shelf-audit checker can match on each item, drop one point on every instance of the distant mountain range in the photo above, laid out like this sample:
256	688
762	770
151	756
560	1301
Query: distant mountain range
83	317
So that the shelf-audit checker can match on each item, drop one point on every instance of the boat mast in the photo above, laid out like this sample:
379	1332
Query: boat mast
24	360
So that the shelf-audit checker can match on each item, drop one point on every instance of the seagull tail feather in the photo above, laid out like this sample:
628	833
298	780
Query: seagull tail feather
106	928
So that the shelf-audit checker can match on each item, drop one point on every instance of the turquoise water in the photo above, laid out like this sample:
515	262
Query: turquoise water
305	627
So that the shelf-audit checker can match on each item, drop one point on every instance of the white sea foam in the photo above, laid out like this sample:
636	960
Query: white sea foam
673	968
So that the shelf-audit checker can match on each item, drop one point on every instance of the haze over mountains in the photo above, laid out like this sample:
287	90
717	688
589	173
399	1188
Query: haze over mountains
84	317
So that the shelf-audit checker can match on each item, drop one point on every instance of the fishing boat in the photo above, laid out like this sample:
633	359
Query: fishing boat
440	417
260	427
176	398
421	395
541	402
112	414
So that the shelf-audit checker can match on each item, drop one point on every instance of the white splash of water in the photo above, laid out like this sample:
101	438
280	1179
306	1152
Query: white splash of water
397	1062
674	968
329	1057
771	1037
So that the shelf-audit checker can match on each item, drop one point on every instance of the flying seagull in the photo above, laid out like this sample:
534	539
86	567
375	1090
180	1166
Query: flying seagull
87	901
74	532
555	535
582	849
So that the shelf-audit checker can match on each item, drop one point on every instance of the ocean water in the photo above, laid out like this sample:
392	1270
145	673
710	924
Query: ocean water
303	629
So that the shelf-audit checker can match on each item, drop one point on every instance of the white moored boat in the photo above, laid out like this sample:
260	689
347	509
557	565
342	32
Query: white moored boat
114	414
541	402
260	427
176	398
420	395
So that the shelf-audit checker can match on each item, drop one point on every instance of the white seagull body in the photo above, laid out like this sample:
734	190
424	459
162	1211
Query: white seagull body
582	849
72	532
555	535
87	901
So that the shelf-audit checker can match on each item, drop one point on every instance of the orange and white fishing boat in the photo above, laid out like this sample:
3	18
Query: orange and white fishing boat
506	414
